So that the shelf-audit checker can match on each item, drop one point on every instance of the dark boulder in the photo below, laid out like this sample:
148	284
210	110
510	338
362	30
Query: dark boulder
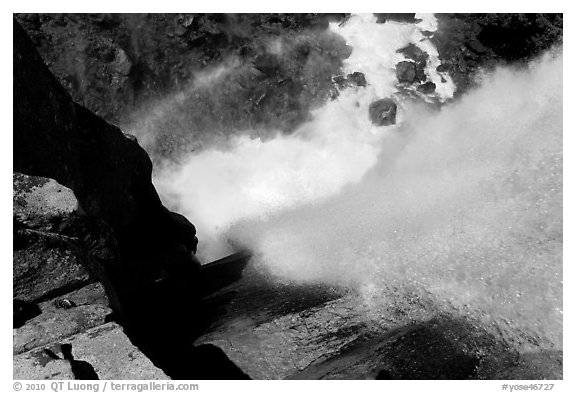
406	71
427	88
383	112
339	81
421	73
22	311
414	53
357	79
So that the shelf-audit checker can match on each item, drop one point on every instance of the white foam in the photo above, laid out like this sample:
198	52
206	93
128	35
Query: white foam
217	188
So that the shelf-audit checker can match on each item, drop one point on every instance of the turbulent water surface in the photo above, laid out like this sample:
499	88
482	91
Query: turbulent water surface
463	205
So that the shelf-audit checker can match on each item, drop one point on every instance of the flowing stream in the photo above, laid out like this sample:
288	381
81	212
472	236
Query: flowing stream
463	204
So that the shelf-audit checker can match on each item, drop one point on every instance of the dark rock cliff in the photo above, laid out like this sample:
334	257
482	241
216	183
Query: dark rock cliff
110	226
109	173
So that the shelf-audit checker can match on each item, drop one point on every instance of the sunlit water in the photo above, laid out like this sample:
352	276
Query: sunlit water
463	204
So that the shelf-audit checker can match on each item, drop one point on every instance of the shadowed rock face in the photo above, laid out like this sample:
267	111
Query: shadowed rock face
56	138
109	173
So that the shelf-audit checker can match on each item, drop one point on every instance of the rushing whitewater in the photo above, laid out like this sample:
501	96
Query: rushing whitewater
217	188
463	205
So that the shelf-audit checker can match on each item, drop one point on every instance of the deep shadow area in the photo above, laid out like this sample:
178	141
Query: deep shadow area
81	369
23	311
141	252
214	364
546	364
173	317
225	271
444	347
168	317
428	352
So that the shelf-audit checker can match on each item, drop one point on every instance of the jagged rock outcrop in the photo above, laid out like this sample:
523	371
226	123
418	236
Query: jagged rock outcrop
109	173
56	138
142	253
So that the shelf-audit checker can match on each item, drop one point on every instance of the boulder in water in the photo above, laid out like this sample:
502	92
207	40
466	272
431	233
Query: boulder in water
383	112
357	79
427	88
339	81
414	53
406	71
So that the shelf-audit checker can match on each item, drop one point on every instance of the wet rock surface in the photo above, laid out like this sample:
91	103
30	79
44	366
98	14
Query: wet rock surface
275	330
383	112
414	53
357	79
